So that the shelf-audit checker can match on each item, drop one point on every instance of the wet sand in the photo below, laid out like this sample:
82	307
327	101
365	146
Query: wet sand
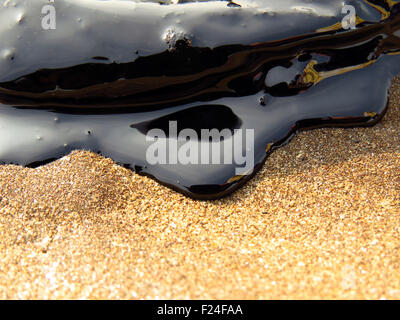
320	220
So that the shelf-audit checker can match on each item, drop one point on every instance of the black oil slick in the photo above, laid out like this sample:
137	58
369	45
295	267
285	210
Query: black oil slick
112	70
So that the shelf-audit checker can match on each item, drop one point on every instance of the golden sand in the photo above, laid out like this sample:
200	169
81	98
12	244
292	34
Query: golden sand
321	220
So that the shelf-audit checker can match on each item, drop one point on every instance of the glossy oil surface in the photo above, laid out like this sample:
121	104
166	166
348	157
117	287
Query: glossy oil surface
112	70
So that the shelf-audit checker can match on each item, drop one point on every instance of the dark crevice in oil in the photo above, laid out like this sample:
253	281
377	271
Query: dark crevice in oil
206	117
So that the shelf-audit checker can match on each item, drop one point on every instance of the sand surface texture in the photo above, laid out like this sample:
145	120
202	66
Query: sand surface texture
321	220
